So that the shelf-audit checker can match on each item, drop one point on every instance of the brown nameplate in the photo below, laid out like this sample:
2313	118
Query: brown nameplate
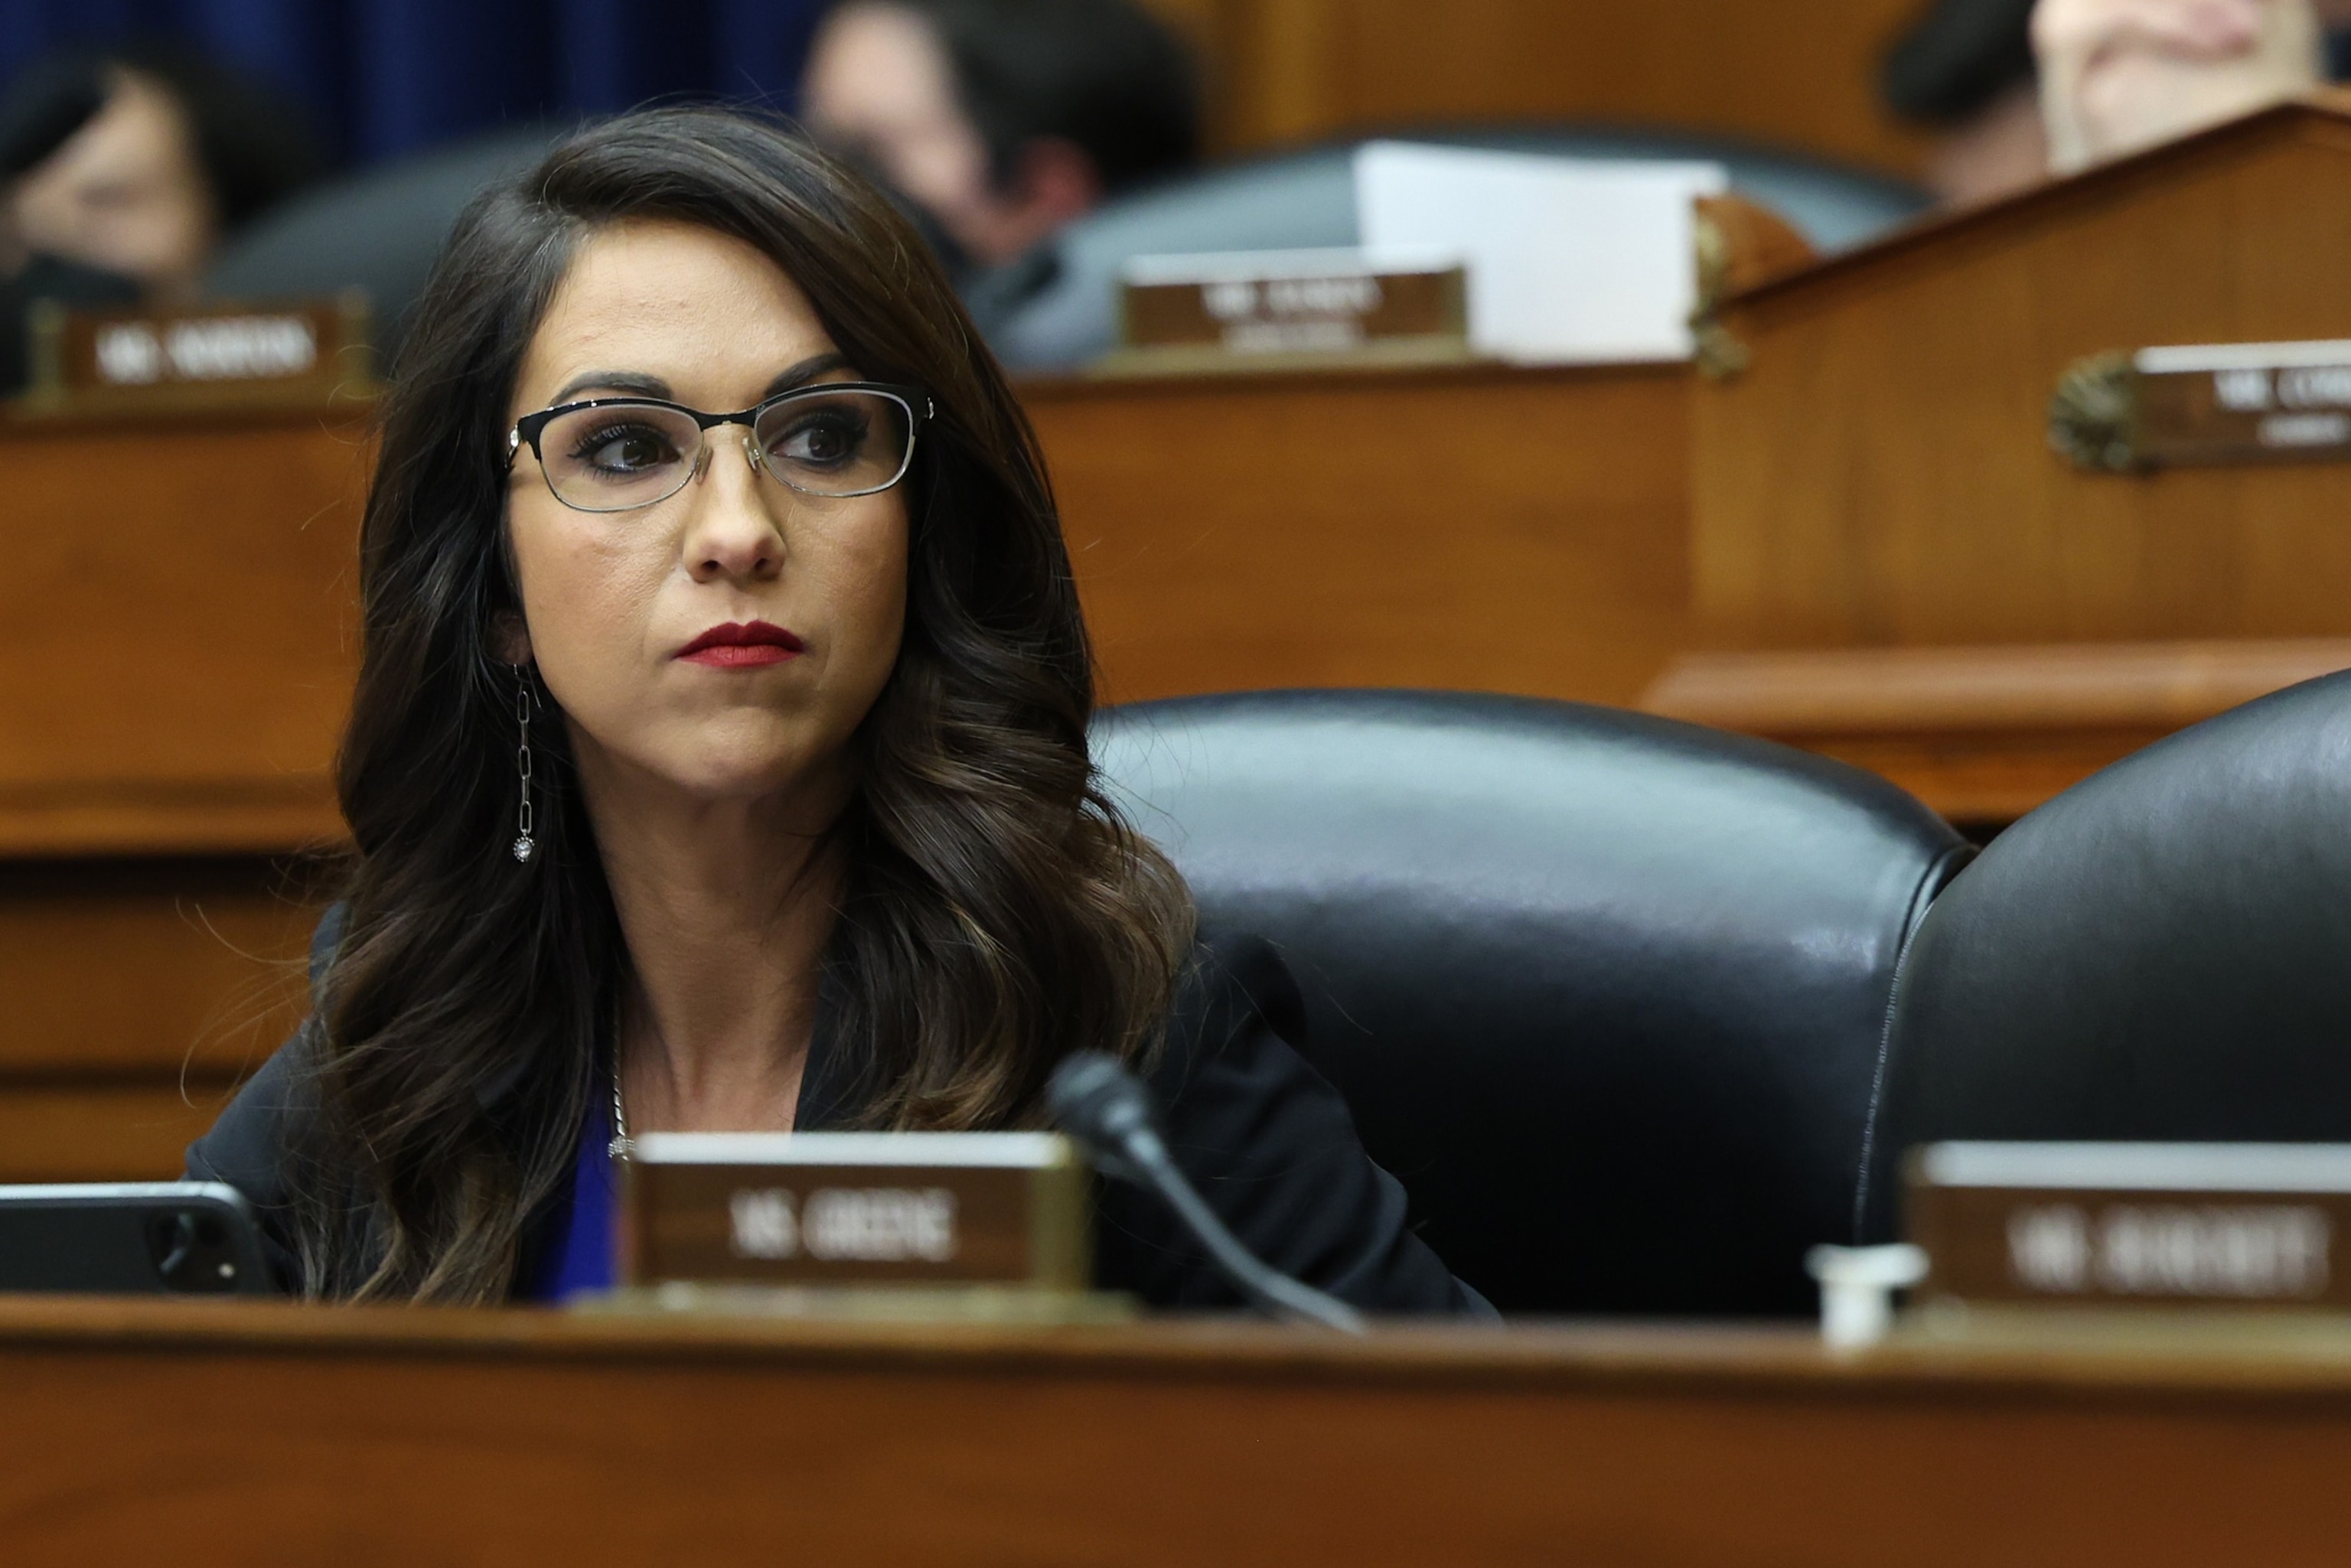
856	1208
298	354
2204	405
1282	306
2236	1224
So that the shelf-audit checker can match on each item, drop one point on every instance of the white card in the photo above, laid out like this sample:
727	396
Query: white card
1570	260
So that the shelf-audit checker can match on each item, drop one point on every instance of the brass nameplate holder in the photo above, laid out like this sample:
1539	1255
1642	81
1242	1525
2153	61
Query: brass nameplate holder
2205	405
2206	1226
1282	309
1007	1210
303	355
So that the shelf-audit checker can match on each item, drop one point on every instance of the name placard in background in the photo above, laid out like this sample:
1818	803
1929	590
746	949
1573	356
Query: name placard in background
856	1208
1540	260
2206	404
2235	1225
1252	308
296	354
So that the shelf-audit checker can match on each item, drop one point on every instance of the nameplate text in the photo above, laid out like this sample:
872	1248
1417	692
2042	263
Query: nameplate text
300	353
2205	405
1282	307
812	1208
2210	1224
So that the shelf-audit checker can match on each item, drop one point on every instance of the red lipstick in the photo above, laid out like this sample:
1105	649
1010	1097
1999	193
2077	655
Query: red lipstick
749	645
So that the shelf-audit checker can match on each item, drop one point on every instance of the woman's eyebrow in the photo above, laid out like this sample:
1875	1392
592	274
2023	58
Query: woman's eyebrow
640	384
613	380
805	371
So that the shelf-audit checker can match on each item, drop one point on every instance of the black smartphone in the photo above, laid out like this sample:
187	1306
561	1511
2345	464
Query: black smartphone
140	1238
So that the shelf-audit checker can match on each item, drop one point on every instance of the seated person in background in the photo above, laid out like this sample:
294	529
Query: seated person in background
1003	120
2120	74
153	154
804	834
124	171
1964	71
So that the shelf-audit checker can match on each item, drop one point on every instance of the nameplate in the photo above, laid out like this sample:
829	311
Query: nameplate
296	354
856	1208
2233	1225
1249	309
2203	405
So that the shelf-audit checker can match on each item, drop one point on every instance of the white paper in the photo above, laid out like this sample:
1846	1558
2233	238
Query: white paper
1570	260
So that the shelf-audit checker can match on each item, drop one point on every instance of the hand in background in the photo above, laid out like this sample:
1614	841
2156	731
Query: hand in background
2119	75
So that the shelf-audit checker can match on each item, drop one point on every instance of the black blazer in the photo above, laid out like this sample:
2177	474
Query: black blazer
1265	1137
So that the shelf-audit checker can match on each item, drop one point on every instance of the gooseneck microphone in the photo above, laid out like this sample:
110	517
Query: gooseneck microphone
1108	1111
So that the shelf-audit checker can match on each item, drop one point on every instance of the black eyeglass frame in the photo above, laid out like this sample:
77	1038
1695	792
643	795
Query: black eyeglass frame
917	404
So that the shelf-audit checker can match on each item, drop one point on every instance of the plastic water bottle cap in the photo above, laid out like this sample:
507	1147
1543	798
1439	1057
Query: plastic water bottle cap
1857	1286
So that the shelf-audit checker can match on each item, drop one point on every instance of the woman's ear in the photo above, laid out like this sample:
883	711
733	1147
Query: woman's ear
510	637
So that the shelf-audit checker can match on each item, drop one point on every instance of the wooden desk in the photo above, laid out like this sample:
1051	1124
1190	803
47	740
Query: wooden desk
1880	477
236	1435
1483	528
176	632
176	621
1985	735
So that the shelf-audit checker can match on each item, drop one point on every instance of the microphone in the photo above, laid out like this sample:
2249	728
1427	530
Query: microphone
1108	1111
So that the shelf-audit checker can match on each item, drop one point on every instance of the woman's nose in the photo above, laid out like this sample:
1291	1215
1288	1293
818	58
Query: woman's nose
730	532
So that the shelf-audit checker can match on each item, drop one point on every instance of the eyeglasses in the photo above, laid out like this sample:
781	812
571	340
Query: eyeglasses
836	440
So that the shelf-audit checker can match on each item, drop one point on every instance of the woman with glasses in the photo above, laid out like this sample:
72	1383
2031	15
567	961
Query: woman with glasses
719	763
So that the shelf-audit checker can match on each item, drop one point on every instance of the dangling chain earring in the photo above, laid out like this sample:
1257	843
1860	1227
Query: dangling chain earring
524	844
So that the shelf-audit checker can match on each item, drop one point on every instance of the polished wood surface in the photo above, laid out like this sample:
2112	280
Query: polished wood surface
1881	473
1879	478
1480	529
137	990
1983	735
225	1434
1799	73
176	633
177	625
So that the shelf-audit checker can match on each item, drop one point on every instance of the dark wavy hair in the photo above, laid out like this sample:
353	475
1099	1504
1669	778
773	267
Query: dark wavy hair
997	913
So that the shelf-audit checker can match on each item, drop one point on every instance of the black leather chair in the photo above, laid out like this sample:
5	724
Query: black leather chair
2161	952
377	230
1605	991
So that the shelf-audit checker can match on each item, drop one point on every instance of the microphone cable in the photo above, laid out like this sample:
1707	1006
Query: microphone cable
1107	1109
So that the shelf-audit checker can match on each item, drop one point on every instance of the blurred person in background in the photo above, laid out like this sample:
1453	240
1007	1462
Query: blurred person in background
1002	120
2016	90
2120	74
125	168
138	159
1964	71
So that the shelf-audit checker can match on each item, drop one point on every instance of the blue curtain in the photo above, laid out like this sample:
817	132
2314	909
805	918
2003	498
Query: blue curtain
387	77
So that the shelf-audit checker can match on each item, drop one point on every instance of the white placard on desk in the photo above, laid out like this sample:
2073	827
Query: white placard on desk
1570	259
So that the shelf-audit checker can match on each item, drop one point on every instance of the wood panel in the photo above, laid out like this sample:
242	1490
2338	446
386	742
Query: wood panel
1983	735
176	651
1478	529
125	1131
1799	73
148	967
138	991
242	1434
176	633
1881	474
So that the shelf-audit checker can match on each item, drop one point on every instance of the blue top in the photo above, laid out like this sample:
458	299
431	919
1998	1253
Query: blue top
578	1255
